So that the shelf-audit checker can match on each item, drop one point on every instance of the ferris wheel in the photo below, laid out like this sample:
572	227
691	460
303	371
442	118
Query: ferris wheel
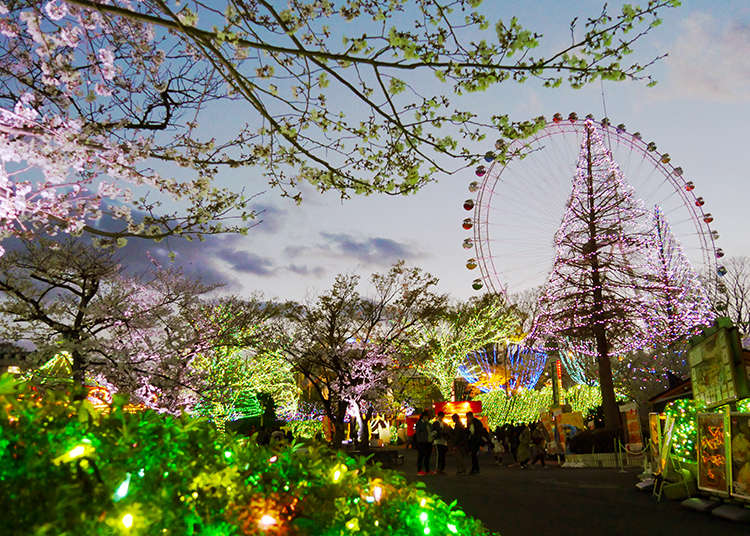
517	202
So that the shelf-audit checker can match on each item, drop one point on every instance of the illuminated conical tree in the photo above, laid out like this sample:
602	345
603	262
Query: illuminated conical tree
678	301
595	290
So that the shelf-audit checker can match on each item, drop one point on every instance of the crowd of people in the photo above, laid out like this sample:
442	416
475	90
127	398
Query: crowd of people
522	445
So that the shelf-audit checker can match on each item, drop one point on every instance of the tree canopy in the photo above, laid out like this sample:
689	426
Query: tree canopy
104	104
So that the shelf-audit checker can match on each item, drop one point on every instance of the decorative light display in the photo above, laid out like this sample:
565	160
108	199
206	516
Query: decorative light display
523	406
597	278
583	397
678	303
685	433
110	475
506	366
455	338
578	366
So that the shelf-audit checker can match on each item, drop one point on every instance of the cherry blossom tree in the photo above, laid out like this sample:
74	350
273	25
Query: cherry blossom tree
137	334
84	98
345	346
102	102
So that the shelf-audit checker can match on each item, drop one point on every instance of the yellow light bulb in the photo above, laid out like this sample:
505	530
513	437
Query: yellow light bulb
127	520
266	522
76	451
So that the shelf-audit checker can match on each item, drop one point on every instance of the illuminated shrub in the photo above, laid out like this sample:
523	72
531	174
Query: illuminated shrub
67	468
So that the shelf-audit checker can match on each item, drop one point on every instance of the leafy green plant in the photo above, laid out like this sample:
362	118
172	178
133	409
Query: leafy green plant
69	469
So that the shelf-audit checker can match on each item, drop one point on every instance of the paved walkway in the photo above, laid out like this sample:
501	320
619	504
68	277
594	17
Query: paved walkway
562	502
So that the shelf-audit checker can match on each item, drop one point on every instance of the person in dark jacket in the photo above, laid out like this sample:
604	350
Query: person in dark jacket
476	438
422	435
524	447
440	435
459	444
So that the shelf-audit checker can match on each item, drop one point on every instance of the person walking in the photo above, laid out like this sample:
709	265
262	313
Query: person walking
476	438
422	434
440	435
538	444
524	447
459	442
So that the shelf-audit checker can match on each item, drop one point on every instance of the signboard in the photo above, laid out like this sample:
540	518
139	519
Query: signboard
712	458
546	419
558	383
632	423
666	442
740	445
461	409
655	441
713	368
566	426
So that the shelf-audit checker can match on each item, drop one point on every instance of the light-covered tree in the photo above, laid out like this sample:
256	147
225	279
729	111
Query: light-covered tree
344	345
445	344
595	293
678	305
135	333
235	371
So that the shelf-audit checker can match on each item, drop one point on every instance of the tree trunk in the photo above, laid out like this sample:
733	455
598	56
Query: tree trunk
339	426
78	369
606	385
363	429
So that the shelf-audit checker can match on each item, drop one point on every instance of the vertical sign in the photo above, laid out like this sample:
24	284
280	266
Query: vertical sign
655	441
712	456
558	380
739	431
666	443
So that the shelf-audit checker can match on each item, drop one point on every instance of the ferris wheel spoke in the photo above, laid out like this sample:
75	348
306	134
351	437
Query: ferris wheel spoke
520	205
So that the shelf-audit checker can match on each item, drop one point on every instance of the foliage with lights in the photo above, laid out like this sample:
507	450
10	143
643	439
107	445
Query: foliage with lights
525	405
68	468
685	434
460	333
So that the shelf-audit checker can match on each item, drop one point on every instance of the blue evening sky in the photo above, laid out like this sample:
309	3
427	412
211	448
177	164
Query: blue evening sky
698	113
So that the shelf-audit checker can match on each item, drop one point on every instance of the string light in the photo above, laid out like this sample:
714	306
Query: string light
266	522
598	277
253	493
75	452
507	366
122	490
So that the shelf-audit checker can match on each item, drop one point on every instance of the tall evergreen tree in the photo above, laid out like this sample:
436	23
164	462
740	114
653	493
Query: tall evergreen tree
595	290
679	303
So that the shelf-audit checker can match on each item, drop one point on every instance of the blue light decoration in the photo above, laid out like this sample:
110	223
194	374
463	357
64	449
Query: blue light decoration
507	366
573	363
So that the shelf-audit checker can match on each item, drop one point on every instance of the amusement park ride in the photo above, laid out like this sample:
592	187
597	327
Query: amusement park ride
520	194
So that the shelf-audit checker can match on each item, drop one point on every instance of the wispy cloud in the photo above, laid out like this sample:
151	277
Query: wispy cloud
304	270
709	61
374	251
